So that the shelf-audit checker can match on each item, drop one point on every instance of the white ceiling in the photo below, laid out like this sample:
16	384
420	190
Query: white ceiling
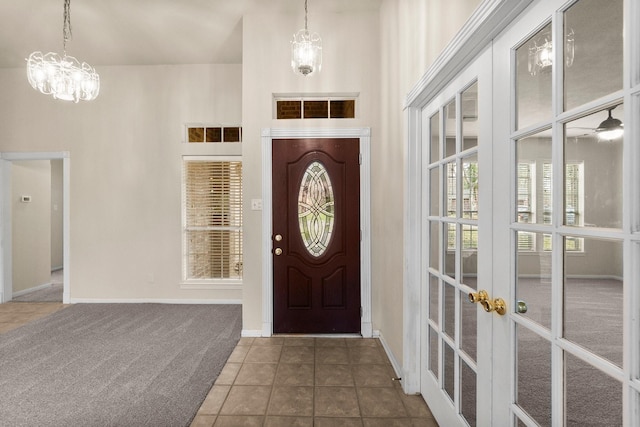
144	32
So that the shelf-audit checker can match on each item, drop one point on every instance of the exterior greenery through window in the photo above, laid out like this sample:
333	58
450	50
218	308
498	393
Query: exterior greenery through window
212	212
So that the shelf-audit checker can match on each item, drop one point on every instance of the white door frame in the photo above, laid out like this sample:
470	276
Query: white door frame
6	256
268	135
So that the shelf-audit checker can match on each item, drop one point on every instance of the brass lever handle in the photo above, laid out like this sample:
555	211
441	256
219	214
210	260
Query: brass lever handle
497	304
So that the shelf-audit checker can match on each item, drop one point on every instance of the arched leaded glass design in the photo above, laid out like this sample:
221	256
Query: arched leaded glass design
316	207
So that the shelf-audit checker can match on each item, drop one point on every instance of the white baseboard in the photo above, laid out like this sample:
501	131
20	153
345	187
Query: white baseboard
151	301
28	291
251	333
397	367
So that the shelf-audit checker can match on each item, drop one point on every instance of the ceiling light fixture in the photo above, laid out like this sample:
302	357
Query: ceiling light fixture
63	77
541	52
306	50
610	128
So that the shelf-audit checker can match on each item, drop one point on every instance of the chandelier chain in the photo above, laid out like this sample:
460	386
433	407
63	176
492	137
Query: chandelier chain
66	26
305	16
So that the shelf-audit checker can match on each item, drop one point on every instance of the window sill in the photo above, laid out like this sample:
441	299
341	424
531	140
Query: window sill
211	284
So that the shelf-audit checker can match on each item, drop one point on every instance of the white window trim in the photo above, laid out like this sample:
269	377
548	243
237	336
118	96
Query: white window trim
202	284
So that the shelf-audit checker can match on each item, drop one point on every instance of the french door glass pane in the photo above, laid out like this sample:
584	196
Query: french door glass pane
451	189
468	395
449	310
595	69
434	197
433	351
449	363
434	242
596	171
450	129
533	79
470	117
592	398
534	197
533	387
434	291
593	298
470	185
435	138
533	283
468	327
470	258
450	245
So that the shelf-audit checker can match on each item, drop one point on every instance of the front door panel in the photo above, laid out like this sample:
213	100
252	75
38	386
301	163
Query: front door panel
316	236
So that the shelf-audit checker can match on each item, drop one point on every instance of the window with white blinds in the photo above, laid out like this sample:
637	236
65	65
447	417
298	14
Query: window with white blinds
212	212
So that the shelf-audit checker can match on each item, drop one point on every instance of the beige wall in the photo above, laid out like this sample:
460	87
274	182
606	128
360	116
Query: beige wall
413	33
31	224
125	156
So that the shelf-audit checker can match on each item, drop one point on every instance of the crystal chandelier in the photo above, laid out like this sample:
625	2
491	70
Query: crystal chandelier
306	50
541	52
63	77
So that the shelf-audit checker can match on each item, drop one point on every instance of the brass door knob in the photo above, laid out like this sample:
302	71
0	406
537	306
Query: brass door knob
479	296
497	304
278	251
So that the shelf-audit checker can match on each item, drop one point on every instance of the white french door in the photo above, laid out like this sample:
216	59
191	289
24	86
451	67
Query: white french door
531	204
456	338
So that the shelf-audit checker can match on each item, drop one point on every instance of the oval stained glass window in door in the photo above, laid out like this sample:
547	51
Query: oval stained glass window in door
316	207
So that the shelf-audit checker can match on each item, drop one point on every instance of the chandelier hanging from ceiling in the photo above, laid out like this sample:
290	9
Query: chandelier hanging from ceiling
306	50
63	77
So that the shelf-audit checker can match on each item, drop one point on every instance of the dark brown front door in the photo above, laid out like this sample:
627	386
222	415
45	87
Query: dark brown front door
316	236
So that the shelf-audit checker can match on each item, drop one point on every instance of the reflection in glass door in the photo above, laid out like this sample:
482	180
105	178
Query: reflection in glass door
571	291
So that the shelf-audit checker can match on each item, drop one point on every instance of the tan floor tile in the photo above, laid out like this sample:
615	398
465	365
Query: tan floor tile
386	422
423	422
228	374
6	327
238	421
256	374
336	402
263	354
381	402
294	401
334	375
331	342
214	400
275	421
332	355
297	355
246	341
337	422
246	400
203	421
363	342
269	341
299	342
295	374
239	354
367	355
416	406
373	375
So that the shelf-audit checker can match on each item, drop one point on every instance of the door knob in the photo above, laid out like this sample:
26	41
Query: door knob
521	307
278	251
278	237
497	304
479	296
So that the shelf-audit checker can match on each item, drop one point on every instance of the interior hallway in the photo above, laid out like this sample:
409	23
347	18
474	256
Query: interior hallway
291	381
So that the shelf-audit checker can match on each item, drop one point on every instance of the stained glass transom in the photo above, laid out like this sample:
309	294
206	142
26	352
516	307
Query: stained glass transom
316	206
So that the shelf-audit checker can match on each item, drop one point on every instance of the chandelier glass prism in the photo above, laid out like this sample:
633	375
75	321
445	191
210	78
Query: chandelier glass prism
63	77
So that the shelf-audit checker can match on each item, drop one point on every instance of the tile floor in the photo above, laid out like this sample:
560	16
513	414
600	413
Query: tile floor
14	314
291	381
305	381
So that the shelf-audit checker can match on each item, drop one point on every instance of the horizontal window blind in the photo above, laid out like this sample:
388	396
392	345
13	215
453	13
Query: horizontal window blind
213	219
